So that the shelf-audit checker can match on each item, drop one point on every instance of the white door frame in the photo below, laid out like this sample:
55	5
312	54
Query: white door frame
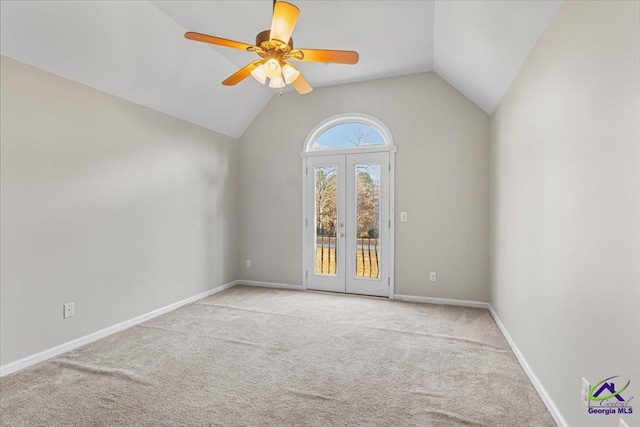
328	282
353	283
309	152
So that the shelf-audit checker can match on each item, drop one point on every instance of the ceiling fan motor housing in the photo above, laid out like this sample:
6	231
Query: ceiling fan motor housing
273	48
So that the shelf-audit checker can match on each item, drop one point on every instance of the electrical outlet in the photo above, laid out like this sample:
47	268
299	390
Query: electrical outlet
403	217
68	310
247	263
623	424
432	276
584	392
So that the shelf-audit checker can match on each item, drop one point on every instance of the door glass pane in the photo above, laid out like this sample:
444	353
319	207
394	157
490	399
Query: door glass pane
367	220
326	219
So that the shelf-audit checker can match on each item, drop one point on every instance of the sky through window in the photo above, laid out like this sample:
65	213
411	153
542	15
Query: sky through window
348	135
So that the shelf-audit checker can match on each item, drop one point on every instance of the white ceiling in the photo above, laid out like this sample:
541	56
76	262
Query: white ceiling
132	50
136	49
479	46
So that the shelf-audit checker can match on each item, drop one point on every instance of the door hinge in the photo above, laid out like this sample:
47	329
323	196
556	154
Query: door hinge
389	167
389	223
306	170
306	274
306	222
388	281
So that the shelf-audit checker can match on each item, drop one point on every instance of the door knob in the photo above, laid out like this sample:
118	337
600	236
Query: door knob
341	224
341	234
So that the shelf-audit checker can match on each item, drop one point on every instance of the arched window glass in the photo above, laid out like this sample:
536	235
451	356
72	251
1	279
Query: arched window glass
348	135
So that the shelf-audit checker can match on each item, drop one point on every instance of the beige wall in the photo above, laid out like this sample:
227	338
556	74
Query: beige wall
107	204
442	181
565	205
122	209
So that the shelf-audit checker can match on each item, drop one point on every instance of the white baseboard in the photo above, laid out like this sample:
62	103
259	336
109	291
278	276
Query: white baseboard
441	301
78	342
544	395
551	406
268	284
52	352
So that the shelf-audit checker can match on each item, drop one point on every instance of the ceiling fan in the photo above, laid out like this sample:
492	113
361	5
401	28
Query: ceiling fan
275	48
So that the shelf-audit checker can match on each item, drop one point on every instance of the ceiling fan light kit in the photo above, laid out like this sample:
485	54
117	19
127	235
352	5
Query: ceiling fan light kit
259	74
272	68
276	82
275	48
290	73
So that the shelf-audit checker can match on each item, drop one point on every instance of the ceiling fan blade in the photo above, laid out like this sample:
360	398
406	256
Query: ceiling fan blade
218	40
323	55
301	85
241	74
284	19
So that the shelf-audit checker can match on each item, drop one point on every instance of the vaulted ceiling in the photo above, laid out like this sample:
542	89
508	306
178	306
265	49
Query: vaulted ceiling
136	49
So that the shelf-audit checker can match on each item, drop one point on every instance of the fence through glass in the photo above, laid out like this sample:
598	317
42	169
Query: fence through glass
367	219
326	219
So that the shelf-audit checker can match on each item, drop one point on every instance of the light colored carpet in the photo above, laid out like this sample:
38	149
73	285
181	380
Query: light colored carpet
257	357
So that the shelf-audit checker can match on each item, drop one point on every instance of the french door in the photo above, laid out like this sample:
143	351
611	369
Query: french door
347	223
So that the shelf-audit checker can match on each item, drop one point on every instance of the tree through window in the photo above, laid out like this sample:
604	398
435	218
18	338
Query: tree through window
348	135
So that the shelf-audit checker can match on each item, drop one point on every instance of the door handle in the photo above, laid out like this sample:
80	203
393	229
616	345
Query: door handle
341	224
341	234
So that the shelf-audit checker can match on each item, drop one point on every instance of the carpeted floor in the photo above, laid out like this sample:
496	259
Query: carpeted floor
264	357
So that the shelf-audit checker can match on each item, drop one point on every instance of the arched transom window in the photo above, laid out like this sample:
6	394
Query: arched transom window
348	131
348	135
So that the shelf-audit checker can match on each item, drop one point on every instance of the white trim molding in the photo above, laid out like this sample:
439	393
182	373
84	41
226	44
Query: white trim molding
354	150
542	392
544	395
78	342
269	285
62	348
442	301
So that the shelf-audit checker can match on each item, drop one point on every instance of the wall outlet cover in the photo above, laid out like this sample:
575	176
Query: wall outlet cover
584	391
432	276
68	310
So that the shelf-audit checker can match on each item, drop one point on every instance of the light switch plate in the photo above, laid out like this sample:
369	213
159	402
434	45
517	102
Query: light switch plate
403	217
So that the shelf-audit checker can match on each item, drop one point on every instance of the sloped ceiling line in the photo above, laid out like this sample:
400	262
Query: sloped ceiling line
136	50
